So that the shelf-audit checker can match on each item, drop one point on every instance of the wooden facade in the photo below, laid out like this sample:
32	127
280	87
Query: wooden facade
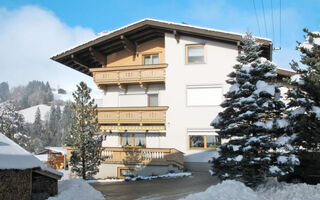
132	115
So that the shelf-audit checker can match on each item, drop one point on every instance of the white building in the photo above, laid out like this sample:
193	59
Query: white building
162	84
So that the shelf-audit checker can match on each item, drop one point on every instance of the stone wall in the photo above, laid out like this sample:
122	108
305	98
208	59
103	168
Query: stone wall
15	184
43	186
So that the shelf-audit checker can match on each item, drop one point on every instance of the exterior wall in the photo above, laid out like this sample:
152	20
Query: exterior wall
43	186
132	97
111	170
125	57
15	184
220	57
152	140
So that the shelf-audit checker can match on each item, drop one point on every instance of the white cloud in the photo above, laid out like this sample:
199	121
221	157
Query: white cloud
29	36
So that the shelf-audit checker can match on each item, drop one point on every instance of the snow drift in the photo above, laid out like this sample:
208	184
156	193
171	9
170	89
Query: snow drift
76	189
234	190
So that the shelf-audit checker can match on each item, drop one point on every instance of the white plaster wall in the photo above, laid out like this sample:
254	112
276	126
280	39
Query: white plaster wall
220	58
111	140
133	96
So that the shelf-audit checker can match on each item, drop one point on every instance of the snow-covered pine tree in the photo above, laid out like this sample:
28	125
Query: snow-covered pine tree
83	138
12	124
304	98
37	128
251	122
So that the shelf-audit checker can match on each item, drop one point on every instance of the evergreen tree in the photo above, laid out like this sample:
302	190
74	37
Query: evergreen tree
12	124
251	121
37	128
83	138
4	92
66	117
304	106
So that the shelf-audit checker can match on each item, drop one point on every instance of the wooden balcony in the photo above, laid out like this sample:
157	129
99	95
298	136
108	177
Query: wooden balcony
147	156
123	75
132	115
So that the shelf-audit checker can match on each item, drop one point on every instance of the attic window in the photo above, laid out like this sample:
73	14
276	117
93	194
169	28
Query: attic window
195	54
151	59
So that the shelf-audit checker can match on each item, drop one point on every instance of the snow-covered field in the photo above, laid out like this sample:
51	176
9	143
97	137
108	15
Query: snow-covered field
234	190
29	113
76	189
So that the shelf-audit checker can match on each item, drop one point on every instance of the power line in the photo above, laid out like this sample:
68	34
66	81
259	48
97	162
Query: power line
255	11
274	39
264	17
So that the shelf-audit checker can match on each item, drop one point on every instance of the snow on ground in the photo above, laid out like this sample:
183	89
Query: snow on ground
234	190
170	175
105	180
76	189
29	113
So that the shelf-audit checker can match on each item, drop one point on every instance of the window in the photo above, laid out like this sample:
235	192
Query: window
204	95
133	139
195	54
152	100
126	139
139	140
203	141
124	171
151	59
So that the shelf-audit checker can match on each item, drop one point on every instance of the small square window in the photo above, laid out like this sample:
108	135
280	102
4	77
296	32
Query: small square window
155	59
147	60
153	100
196	141
195	54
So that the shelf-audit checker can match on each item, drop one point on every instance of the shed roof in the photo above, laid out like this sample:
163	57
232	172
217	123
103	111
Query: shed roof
12	156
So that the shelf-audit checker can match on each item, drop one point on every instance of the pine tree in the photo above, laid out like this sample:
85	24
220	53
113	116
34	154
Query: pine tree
251	121
66	117
37	128
83	138
12	124
304	106
4	92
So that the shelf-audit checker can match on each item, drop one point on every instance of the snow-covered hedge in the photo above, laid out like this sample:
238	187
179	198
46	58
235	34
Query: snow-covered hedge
234	190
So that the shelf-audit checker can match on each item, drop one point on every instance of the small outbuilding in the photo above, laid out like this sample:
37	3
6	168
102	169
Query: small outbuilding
22	175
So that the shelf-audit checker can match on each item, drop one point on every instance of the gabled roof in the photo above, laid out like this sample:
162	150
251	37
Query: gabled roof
86	55
12	156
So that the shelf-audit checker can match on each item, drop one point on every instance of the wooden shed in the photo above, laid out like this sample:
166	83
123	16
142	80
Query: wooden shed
22	175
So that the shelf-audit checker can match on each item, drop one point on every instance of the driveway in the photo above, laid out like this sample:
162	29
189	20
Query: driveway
156	189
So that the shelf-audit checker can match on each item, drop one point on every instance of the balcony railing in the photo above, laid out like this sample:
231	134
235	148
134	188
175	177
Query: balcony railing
129	74
132	115
149	156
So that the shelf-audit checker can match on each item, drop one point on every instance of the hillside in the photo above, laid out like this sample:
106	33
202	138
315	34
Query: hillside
29	113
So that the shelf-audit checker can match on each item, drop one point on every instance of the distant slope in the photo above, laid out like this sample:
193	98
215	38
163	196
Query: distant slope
29	113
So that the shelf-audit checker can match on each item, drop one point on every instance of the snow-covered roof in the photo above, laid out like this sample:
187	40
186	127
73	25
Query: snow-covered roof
42	157
12	156
57	150
105	33
82	57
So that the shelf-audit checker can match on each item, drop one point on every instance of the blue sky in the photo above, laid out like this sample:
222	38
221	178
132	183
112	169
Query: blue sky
68	22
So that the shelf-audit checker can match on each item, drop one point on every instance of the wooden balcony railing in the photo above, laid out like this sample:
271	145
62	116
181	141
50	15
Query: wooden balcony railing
132	115
129	74
150	156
